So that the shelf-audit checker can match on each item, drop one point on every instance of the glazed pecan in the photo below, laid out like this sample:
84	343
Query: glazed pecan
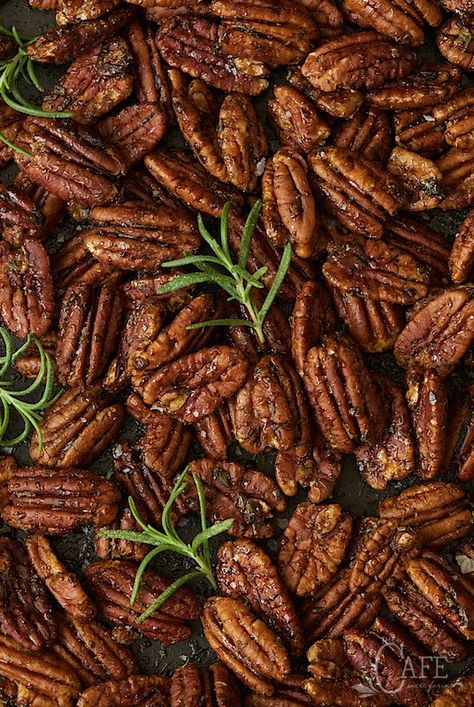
69	11
11	124
26	285
245	572
326	473
461	7
89	327
340	104
295	119
289	205
461	260
196	384
8	466
394	457
49	206
58	501
117	548
247	495
74	265
327	15
460	436
359	60
313	318
151	83
312	546
44	4
455	41
216	686
192	44
428	86
77	428
401	21
345	397
215	432
152	689
70	161
63	585
245	644
418	131
110	583
20	219
355	190
26	611
421	178
456	116
422	242
94	84
465	558
457	182
368	132
135	131
458	693
439	333
282	697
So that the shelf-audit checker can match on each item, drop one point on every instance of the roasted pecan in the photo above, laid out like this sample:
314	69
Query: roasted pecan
345	398
355	190
63	585
26	611
135	131
62	44
117	548
162	9
8	466
89	327
327	468
74	265
455	41
245	644
245	572
458	693
312	546
111	582
77	428
196	384
70	161
216	686
151	85
20	219
368	132
457	182
340	104
439	333
44	4
215	432
152	689
69	11
327	15
295	119
359	60
460	436
246	495
461	7
421	178
283	697
456	116
11	124
50	206
192	44
465	558
57	501
461	260
313	318
422	242
425	87
418	131
394	18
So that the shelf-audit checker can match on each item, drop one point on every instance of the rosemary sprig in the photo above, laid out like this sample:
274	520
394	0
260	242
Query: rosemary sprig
168	540
234	278
29	412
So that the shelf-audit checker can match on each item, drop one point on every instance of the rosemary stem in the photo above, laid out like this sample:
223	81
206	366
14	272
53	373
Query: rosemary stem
247	302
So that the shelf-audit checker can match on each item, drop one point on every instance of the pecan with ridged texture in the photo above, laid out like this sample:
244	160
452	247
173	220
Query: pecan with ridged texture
419	132
295	119
327	15
360	60
290	213
63	585
89	327
355	190
26	611
151	83
216	687
77	428
166	441
425	87
456	116
455	41
460	435
197	383
188	181
94	84
312	546
192	45
245	644
117	548
439	333
344	395
63	44
375	270
325	470
45	678
394	457
368	132
461	259
420	176
20	219
69	11
245	572
58	501
26	285
110	583
247	495
148	689
336	609
11	124
419	240
215	432
458	693
404	22
91	651
135	131
457	182
313	318
341	103
70	161
74	265
51	207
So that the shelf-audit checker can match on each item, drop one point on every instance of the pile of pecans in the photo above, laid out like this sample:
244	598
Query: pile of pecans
369	135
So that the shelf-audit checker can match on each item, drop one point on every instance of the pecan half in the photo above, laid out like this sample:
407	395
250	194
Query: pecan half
245	572
77	428
455	41
421	178
345	398
456	116
245	644
428	86
418	131
57	501
312	546
69	11
327	15
135	131
422	242
457	182
215	432
368	132
295	119
283	697
313	318
73	265
49	206
110	582
11	124
117	548
461	260
26	611
399	21
154	689
20	219
151	84
355	190
216	686
460	436
341	103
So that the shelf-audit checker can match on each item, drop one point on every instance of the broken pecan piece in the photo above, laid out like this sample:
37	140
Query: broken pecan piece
110	583
327	15
368	132
154	689
245	644
216	686
117	548
400	21
295	119
455	41
461	260
341	103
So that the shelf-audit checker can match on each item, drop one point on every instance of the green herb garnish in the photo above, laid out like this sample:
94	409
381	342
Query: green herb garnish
238	283
168	540
11	399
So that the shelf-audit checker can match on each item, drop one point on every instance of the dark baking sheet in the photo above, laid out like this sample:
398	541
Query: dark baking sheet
351	492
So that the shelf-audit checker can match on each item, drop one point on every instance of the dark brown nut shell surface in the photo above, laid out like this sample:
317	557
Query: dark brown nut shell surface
122	692
216	686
